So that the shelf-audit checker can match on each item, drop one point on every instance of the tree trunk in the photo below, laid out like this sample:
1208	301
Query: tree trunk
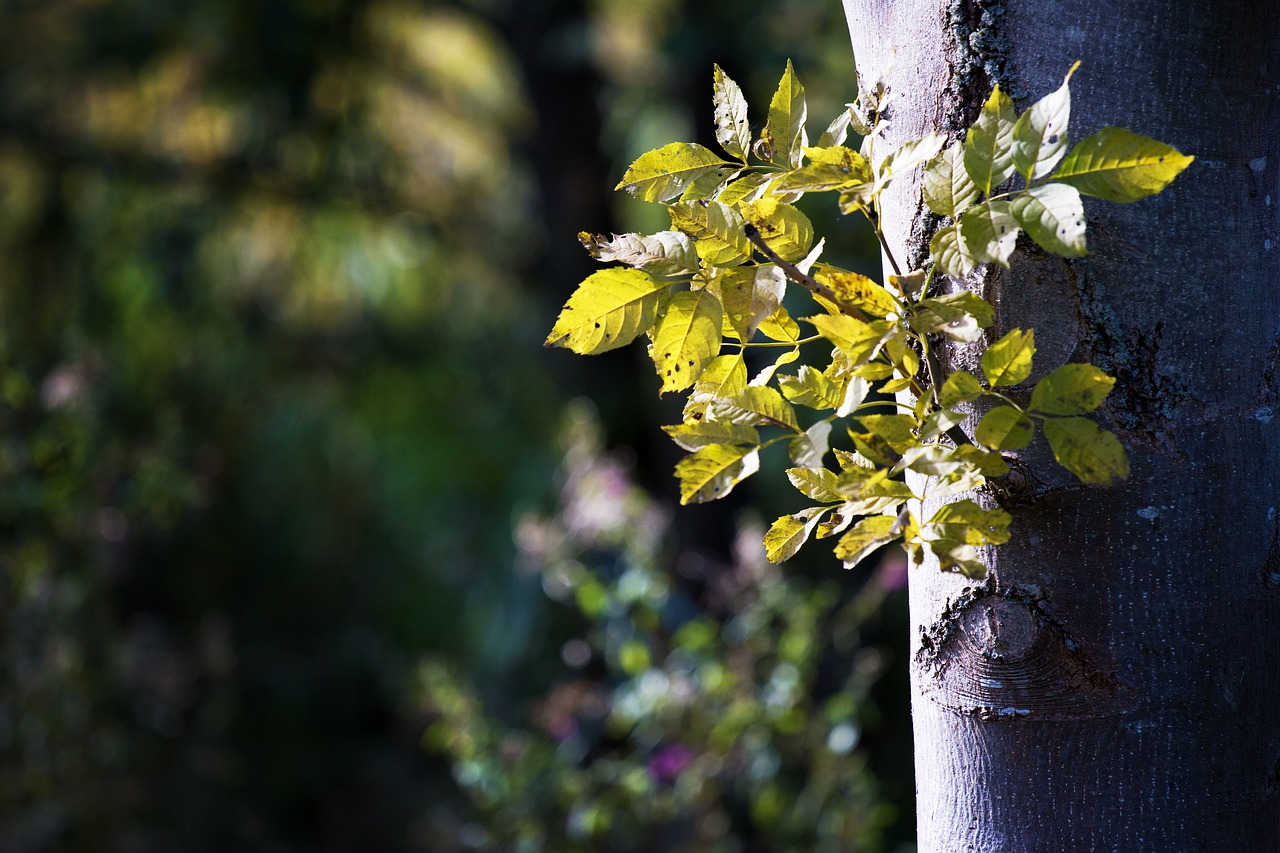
1115	683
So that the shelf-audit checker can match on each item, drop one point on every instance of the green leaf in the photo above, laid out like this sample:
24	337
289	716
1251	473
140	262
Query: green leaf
838	130
686	338
784	228
712	472
816	484
965	521
755	405
948	189
958	557
611	308
696	436
866	536
749	295
834	168
960	316
988	464
1008	361
717	230
789	532
1005	428
951	253
666	172
860	341
858	291
909	155
1040	135
725	376
898	431
744	188
990	232
1053	216
668	253
783	136
733	130
811	388
779	326
960	387
1120	165
988	147
809	447
1091	453
1073	389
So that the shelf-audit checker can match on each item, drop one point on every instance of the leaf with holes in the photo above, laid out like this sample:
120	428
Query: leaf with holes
686	338
667	253
990	232
1040	135
733	130
717	231
789	532
610	308
866	536
1053	216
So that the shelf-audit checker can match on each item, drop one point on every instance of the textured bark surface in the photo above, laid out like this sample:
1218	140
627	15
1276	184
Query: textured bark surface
1115	683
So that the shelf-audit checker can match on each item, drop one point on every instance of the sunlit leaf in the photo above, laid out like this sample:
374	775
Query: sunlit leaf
909	155
725	376
817	484
789	532
1053	216
948	189
609	309
755	405
745	188
1005	428
810	387
965	521
838	130
765	376
960	316
733	130
749	295
1091	453
865	537
961	387
860	341
988	147
951	253
696	436
711	472
1040	134
856	290
717	231
809	447
833	168
666	172
668	253
1008	361
686	338
1120	165
783	136
990	232
784	228
1073	389
779	326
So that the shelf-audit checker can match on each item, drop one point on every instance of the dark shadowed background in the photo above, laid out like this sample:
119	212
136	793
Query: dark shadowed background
307	543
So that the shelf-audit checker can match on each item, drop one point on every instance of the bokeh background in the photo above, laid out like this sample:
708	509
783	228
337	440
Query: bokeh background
307	543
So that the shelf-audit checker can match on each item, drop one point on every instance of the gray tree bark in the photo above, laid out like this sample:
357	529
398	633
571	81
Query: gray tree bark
1115	683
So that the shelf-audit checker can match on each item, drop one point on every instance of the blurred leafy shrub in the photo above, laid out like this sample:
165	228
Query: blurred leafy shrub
702	708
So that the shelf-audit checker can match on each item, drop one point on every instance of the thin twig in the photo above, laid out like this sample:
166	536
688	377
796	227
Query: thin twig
800	277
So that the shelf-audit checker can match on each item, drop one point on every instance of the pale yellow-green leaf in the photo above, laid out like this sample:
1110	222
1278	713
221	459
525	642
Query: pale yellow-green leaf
1073	389
965	521
987	463
1040	134
686	338
749	295
1053	216
1005	428
667	253
838	130
765	376
1120	165
951	253
733	130
711	472
789	532
816	484
858	291
960	387
810	388
860	341
960	316
957	557
897	430
865	537
784	228
833	168
909	155
856	389
725	376
988	147
809	447
1008	360
948	189
696	436
666	172
755	405
747	188
990	232
779	326
932	460
783	135
1093	454
717	231
609	309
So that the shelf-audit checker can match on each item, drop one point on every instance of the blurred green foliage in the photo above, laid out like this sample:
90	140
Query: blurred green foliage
273	280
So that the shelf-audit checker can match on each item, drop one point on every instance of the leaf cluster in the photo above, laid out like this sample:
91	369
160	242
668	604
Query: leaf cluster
713	287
